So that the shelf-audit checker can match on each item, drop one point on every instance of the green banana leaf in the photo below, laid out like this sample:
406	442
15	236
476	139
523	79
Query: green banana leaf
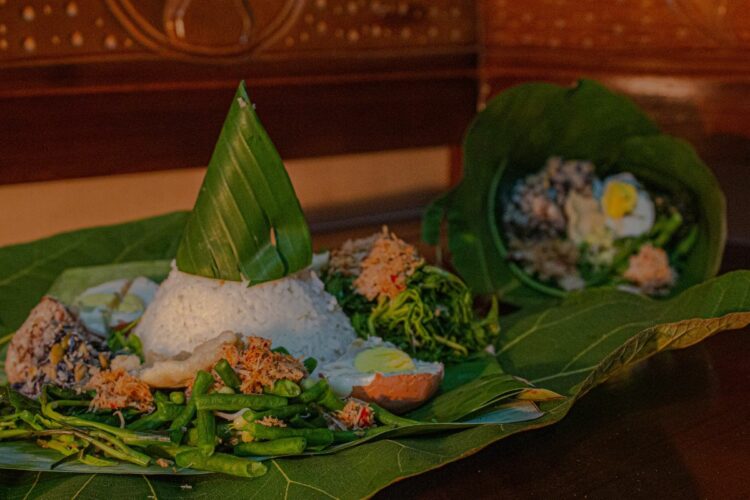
247	222
515	134
603	332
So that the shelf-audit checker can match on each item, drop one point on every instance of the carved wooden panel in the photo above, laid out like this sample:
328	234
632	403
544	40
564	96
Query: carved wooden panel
91	87
51	32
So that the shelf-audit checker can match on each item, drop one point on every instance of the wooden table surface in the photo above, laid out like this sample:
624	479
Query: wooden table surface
675	426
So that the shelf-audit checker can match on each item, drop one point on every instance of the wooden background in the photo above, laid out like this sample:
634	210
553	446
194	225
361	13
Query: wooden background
95	87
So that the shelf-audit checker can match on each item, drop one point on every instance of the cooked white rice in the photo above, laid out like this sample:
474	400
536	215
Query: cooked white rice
295	312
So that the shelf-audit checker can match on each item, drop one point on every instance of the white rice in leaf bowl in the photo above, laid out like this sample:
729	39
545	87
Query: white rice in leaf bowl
294	312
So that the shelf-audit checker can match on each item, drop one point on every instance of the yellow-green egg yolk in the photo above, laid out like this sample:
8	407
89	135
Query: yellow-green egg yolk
95	300
131	304
620	198
383	360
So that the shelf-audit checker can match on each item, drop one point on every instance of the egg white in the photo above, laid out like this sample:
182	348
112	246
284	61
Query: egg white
342	375
641	219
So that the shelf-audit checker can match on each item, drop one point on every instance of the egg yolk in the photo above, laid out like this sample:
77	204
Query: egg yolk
383	360
131	304
95	300
619	199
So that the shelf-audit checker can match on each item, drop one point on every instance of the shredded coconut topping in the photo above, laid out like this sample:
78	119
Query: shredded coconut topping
356	415
117	389
649	269
382	263
269	421
258	366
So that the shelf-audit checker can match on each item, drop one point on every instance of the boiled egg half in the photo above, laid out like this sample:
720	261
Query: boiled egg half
115	304
377	371
628	208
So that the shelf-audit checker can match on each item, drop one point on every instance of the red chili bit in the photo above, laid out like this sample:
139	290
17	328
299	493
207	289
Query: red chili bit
364	416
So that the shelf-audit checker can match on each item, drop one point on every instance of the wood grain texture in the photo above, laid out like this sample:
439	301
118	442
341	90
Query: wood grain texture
114	86
226	31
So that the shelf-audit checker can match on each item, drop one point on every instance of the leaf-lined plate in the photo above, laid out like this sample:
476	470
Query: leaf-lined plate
515	134
569	348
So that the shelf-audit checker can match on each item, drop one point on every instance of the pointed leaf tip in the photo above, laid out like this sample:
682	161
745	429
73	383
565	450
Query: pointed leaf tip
247	222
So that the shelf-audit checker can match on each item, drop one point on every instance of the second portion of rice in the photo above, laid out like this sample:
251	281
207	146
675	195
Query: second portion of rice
295	312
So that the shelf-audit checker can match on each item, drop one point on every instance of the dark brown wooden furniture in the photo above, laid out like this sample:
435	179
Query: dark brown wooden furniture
92	87
95	87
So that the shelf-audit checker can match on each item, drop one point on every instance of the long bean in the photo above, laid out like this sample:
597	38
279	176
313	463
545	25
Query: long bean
136	456
203	381
686	244
235	402
227	374
347	436
284	388
177	397
160	397
315	437
112	446
283	446
310	364
165	412
283	413
668	229
314	392
15	433
330	401
132	456
220	462
300	423
385	417
192	437
206	426
128	436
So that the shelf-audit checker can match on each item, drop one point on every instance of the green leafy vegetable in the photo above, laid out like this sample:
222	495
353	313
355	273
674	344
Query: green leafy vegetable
432	319
247	222
515	134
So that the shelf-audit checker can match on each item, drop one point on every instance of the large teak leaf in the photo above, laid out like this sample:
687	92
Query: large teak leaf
569	348
247	223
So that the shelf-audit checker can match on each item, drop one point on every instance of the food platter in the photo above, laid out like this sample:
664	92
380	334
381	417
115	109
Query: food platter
543	360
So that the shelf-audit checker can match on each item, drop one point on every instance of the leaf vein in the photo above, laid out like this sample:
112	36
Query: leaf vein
36	481
154	496
83	487
290	481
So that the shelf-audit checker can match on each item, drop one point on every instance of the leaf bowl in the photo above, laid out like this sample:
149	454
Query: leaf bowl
513	136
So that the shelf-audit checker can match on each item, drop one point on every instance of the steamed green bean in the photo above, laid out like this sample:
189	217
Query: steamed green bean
220	462
227	374
283	446
203	381
315	437
314	392
235	402
284	388
282	413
